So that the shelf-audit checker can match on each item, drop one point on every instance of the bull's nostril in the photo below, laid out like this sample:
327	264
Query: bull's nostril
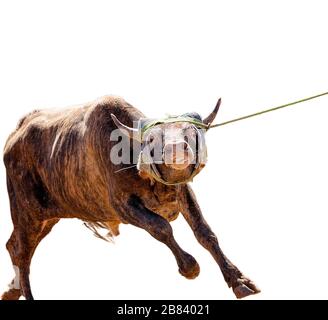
185	146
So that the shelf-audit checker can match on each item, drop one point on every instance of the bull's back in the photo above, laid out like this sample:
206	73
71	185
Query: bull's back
61	148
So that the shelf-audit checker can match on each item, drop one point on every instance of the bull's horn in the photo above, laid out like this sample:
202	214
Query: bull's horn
130	132
208	120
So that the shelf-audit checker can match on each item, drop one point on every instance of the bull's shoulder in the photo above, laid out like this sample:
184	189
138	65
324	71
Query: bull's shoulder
109	100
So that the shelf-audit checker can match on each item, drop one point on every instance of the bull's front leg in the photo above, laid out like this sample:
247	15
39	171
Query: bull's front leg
190	209
134	212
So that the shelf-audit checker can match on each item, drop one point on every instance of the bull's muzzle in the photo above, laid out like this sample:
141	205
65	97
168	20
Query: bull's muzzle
178	155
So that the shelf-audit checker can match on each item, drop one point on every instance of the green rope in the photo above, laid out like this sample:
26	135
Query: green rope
268	110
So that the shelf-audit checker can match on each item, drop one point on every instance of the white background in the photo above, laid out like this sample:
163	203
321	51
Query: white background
264	191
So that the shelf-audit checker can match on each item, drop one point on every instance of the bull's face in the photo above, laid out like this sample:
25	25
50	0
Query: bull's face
173	150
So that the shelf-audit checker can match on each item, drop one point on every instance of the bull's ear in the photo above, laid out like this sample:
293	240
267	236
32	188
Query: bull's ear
208	120
129	132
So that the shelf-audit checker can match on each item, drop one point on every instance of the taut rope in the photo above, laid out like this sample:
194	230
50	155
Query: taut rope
268	110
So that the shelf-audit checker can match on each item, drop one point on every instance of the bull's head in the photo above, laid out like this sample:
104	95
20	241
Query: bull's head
173	149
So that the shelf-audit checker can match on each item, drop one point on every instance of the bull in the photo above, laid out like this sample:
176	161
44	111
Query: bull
59	164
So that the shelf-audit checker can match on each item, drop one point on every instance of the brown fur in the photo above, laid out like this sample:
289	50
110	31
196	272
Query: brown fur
58	166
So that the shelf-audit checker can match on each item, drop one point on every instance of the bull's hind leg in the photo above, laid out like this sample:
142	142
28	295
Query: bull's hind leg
30	207
21	247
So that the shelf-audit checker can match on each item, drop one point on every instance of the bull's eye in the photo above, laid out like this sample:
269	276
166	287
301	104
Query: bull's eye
151	139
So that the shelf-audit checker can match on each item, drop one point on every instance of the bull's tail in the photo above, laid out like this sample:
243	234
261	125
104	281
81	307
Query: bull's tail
98	227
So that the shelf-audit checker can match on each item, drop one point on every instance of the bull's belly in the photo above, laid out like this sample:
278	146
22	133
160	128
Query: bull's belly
86	204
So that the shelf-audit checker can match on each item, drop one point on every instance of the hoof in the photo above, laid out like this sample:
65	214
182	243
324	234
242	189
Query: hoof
12	294
245	287
191	269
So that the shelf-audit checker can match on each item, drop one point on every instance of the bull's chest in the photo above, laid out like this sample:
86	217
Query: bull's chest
163	200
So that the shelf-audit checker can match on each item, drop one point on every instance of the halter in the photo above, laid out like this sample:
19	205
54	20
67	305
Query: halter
146	124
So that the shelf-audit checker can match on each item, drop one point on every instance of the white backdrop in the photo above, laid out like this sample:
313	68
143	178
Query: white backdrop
264	190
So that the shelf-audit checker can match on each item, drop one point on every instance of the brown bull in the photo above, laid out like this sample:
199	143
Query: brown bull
59	165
